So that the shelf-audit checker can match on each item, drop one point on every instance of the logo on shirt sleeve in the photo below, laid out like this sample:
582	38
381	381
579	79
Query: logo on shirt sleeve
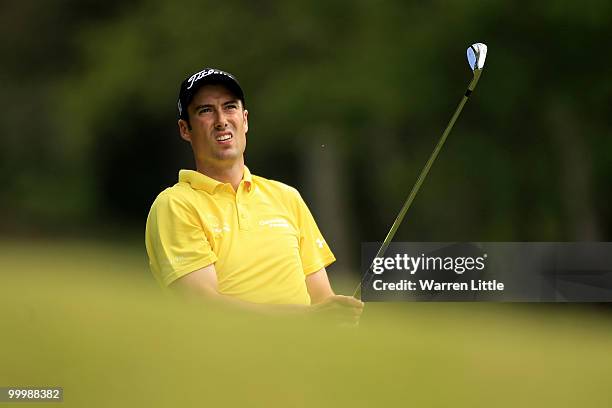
320	242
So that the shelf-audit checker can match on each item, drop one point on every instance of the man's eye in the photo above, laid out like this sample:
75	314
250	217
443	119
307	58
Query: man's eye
204	110
231	106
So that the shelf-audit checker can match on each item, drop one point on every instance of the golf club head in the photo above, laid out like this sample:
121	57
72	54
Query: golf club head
476	55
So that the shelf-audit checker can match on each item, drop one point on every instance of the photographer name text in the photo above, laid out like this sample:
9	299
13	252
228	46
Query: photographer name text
431	285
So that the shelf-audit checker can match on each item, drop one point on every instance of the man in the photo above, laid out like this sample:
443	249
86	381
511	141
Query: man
226	235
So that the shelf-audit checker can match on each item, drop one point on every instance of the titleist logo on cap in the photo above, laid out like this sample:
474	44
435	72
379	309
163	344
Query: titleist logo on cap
199	75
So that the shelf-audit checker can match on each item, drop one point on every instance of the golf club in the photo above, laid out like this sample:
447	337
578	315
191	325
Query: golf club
476	55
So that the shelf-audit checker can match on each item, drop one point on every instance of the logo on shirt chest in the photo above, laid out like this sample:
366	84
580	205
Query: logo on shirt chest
217	226
224	228
274	223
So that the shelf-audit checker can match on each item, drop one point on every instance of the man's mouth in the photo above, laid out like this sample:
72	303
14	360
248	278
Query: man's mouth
223	137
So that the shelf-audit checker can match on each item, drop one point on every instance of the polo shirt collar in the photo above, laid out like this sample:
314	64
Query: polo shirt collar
201	181
247	178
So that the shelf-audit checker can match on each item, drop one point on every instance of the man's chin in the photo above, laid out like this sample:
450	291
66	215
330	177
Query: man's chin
228	156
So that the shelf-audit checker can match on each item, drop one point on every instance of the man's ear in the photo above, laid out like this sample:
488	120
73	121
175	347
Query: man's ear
246	121
184	130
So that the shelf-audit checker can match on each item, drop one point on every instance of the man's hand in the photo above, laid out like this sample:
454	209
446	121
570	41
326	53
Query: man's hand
344	310
335	309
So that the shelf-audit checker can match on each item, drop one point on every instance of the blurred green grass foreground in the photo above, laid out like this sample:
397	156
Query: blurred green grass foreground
86	316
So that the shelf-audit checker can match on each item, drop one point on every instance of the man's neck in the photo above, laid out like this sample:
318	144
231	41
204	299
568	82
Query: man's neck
231	174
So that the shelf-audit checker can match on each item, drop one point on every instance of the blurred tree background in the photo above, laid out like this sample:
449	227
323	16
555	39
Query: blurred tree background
347	100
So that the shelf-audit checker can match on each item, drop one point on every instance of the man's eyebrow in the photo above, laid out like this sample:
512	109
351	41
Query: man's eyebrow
210	105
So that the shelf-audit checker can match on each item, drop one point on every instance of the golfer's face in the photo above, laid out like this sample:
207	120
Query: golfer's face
218	125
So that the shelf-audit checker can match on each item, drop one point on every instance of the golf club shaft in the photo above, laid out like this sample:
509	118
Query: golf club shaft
414	191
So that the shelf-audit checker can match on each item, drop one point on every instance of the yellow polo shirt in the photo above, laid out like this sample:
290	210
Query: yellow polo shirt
262	239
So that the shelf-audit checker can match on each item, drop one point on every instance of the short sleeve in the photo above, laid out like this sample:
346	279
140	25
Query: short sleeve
175	239
314	251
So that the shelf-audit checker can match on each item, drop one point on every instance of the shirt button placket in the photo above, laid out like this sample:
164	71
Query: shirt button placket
243	216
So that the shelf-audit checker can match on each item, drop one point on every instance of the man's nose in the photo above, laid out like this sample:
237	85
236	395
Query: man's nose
220	120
